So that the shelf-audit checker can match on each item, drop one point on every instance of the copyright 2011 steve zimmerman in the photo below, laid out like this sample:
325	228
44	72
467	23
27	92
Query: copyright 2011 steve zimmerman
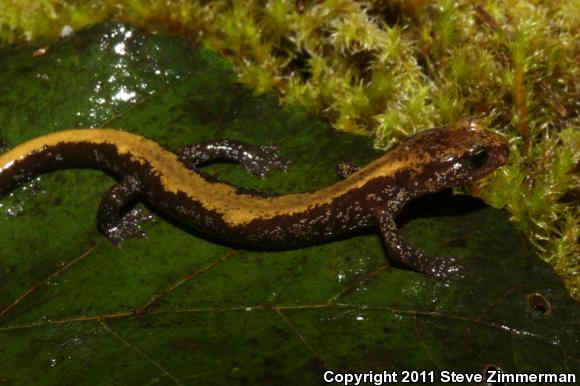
444	376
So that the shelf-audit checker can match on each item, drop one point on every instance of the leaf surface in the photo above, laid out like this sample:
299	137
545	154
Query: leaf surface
178	307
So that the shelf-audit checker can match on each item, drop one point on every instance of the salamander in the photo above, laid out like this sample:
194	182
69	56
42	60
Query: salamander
172	182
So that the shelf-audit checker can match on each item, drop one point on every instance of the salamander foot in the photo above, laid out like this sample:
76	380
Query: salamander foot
261	159
129	226
444	268
440	267
345	169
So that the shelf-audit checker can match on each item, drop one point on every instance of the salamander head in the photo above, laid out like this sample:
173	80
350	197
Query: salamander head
449	157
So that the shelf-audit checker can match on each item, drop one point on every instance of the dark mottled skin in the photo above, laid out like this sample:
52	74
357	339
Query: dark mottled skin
367	197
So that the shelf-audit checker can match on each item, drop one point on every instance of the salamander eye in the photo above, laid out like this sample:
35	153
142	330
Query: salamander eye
478	157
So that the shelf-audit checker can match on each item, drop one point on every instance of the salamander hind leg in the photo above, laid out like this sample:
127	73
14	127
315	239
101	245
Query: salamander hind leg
256	159
113	218
442	268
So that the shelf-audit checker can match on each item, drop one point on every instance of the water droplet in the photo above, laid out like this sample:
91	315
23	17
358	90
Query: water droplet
124	95
120	48
65	31
360	318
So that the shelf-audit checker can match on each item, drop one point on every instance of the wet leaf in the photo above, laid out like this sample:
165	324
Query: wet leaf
179	307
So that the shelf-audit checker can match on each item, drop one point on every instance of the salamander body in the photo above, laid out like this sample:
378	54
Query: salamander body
369	197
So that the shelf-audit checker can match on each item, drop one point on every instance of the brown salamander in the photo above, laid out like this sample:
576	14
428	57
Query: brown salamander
372	196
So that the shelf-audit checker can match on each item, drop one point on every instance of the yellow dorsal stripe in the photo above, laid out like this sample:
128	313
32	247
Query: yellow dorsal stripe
236	208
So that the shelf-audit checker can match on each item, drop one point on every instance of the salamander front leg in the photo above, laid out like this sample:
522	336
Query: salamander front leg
256	159
113	219
443	268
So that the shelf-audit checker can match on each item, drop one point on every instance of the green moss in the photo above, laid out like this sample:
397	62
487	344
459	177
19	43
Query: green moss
393	69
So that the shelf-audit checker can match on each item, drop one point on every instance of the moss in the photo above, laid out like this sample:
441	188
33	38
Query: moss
392	68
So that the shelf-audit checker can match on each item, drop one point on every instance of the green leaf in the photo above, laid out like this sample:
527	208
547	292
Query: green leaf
180	308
